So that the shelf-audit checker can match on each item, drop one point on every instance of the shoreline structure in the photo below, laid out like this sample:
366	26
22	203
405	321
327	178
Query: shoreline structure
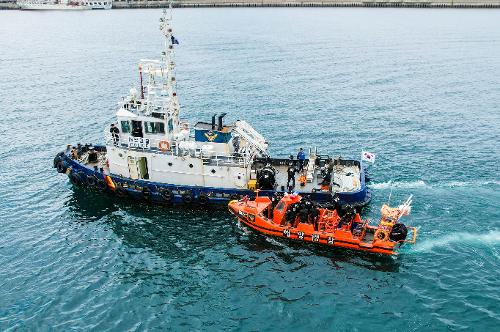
127	4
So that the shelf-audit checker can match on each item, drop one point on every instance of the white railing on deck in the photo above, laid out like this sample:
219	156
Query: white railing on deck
235	159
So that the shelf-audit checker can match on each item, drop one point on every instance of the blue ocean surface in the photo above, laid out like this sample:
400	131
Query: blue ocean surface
418	87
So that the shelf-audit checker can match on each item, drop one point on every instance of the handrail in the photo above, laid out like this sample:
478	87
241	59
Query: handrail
414	238
175	151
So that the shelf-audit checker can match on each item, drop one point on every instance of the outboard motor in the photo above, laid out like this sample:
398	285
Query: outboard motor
399	232
267	178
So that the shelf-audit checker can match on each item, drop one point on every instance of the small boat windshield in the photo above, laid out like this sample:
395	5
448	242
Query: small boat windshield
280	206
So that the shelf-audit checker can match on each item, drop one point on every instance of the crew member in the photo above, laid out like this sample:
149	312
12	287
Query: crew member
301	157
291	176
115	133
308	205
291	214
327	176
136	130
315	217
304	214
92	156
79	150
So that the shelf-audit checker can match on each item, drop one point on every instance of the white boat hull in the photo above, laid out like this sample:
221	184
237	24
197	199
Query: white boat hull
90	5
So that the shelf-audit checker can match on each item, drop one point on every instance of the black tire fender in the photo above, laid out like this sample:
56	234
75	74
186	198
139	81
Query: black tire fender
121	192
91	181
203	199
61	167
57	159
146	193
166	194
101	185
187	197
75	178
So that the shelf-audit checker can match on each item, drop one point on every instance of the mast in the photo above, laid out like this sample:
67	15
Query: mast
169	84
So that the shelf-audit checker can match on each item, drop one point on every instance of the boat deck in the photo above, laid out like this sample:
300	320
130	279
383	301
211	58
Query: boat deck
344	179
101	161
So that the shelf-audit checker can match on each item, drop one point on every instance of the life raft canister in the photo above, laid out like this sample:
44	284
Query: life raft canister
164	146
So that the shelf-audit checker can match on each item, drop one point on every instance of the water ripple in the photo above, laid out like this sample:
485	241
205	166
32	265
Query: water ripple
424	96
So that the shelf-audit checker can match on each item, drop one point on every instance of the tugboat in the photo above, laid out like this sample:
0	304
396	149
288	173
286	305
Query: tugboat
151	154
297	218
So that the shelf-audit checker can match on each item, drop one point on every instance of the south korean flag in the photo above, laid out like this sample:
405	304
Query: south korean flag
368	156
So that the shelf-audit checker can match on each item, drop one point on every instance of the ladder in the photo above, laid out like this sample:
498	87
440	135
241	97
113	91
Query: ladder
251	136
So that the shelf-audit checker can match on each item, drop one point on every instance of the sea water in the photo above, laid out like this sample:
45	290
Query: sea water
420	88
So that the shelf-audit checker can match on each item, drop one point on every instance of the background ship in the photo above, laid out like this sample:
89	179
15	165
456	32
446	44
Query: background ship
64	4
152	154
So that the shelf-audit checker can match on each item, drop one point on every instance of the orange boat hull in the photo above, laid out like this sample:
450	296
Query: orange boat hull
250	214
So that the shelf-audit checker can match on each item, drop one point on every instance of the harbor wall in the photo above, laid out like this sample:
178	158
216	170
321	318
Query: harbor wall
311	3
122	4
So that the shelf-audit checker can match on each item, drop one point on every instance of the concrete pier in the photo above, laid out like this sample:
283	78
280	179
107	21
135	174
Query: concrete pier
121	4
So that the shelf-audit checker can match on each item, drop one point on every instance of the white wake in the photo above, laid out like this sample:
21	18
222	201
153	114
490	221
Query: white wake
396	184
490	238
423	184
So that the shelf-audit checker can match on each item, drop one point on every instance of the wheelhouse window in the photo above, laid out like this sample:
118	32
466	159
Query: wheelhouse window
154	127
280	206
125	126
170	125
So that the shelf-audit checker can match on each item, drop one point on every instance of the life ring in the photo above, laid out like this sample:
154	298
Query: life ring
187	197
61	167
203	199
166	194
381	235
75	179
164	146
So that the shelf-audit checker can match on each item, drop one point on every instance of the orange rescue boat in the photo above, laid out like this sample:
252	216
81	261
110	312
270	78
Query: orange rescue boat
299	219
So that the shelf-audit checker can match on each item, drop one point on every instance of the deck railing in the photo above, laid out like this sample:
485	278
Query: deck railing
151	145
